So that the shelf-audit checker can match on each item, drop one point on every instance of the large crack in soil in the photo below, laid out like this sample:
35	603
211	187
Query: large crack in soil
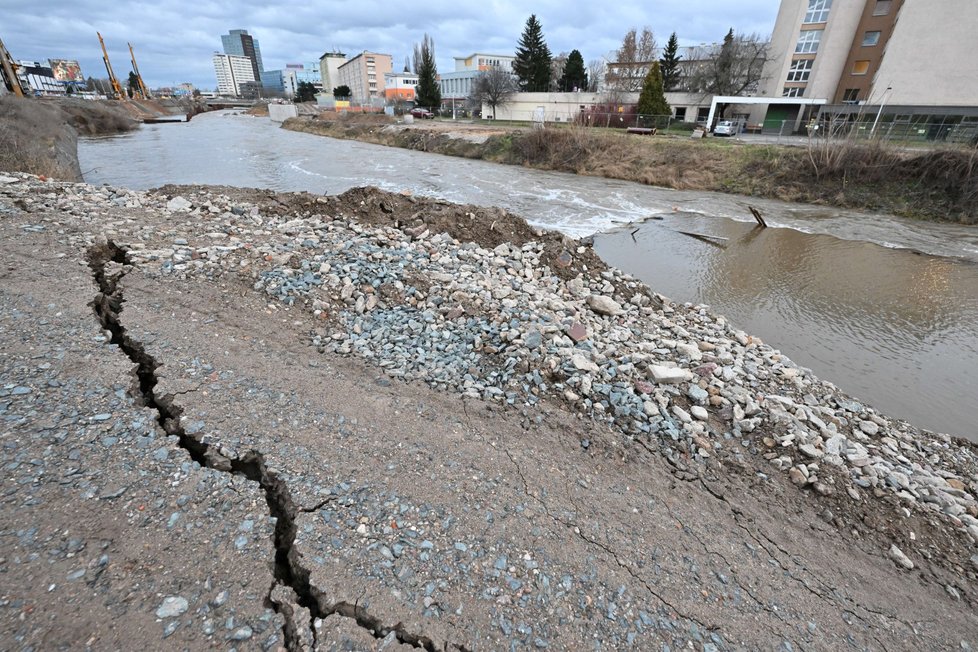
287	567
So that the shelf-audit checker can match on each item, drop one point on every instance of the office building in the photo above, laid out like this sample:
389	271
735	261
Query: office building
239	43
457	85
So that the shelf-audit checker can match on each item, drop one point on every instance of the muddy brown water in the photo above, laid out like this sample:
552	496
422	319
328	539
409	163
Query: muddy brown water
885	308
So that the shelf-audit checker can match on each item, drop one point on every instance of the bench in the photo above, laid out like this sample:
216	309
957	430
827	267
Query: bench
641	131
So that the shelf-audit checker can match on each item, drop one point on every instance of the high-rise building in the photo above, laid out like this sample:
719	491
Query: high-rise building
239	43
232	73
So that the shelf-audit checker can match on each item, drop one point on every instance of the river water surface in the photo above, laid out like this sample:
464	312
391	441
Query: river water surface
885	308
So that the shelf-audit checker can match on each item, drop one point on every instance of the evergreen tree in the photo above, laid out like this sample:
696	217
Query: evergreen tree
669	64
575	75
305	92
342	92
132	88
532	64
426	93
652	99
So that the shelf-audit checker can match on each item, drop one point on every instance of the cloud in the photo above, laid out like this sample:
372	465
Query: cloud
174	39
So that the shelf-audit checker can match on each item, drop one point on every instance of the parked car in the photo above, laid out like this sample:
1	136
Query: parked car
424	114
725	128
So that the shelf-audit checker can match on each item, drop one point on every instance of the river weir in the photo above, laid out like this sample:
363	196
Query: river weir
883	307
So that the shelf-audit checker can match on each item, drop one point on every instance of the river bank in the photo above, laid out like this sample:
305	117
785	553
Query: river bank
939	185
446	428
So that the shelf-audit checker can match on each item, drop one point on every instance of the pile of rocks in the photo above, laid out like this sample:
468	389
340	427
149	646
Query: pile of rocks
499	324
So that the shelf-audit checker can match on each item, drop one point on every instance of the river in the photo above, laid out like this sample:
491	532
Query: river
883	307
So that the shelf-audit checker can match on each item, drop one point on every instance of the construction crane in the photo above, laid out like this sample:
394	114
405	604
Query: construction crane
143	91
116	88
9	69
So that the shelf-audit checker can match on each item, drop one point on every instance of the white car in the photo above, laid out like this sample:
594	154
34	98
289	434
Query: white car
725	128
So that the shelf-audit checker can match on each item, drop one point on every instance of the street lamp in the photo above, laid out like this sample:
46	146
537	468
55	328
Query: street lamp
880	112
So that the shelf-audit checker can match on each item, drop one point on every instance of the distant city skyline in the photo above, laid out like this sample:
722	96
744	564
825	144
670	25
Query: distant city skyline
175	40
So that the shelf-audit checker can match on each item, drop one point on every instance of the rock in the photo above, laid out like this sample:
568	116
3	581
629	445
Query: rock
797	476
604	305
869	427
178	204
901	559
172	607
582	363
241	634
668	375
811	451
533	339
699	412
577	332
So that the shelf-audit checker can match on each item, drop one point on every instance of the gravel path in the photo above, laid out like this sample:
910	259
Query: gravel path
346	430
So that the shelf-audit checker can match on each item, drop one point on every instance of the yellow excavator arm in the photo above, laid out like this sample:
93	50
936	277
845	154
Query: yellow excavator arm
116	88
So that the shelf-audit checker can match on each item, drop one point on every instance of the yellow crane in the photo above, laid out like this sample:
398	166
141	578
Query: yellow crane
9	69
143	91
116	88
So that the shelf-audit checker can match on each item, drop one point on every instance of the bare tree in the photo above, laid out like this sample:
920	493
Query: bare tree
632	60
557	70
494	87
596	69
735	68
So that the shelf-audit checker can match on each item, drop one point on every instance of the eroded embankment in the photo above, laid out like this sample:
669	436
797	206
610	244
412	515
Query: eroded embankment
40	136
937	185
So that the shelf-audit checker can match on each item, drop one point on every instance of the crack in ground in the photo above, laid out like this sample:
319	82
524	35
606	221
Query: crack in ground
288	571
608	550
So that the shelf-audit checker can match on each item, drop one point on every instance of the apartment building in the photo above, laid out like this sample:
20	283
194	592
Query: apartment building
233	73
896	58
364	74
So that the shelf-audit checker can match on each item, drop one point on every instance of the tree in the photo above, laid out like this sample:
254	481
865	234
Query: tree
342	92
734	68
407	64
596	70
669	64
132	87
557	64
652	99
426	93
575	76
305	92
532	64
494	87
632	60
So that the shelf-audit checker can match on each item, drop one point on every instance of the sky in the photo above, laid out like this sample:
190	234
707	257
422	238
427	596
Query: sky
175	39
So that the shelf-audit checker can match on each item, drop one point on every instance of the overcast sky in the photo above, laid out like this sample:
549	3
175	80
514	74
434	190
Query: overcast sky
174	39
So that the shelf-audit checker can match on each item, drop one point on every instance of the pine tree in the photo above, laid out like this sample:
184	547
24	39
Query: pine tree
652	99
669	64
426	93
575	75
532	64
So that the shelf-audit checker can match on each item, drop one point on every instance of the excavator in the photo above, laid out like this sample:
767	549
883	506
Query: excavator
8	73
116	88
142	91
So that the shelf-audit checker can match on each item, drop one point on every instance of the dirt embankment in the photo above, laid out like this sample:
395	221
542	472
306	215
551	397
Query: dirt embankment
935	185
41	136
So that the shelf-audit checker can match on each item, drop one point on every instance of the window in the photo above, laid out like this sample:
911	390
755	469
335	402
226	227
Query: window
882	7
818	11
680	113
808	41
851	96
800	70
860	67
792	92
870	39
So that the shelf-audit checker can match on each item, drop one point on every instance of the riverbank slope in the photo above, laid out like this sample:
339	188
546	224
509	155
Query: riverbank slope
375	420
935	184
